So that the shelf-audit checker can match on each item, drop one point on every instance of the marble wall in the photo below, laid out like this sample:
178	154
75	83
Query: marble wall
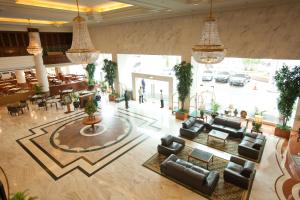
265	32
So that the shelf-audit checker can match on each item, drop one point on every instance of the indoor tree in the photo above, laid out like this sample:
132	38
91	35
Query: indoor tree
110	69
288	84
91	68
184	75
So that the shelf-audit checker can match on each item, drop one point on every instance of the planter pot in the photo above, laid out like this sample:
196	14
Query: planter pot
76	104
213	115
91	87
181	115
112	97
282	133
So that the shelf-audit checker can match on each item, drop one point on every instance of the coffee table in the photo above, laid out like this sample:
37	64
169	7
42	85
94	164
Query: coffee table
218	135
201	155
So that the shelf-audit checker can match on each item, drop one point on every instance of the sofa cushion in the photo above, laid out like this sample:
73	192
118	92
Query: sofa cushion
233	124
199	125
220	121
184	163
174	168
235	167
257	144
261	137
200	170
217	126
246	144
166	141
175	146
195	177
188	123
250	139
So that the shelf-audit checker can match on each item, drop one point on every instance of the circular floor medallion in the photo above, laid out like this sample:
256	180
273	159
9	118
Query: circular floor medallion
77	137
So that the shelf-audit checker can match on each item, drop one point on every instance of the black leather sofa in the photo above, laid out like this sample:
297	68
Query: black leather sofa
170	145
252	146
233	128
201	179
191	128
239	172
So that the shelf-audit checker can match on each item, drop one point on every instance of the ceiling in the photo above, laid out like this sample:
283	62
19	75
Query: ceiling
131	10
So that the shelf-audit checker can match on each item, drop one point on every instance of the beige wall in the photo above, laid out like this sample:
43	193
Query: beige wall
269	32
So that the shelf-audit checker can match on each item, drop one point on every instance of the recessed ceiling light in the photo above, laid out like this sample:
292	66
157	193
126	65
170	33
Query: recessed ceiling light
196	4
32	21
107	6
169	10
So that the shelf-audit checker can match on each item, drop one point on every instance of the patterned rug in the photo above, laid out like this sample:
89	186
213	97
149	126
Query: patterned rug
223	191
231	145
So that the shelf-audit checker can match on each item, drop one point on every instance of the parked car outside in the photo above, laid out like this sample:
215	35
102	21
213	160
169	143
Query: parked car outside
222	77
207	76
239	79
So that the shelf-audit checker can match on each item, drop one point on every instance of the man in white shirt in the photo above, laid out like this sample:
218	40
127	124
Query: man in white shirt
141	100
161	99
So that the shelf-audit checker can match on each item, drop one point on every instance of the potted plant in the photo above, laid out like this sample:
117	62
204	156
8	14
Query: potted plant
22	196
37	89
90	69
90	109
110	68
184	75
214	109
288	84
75	98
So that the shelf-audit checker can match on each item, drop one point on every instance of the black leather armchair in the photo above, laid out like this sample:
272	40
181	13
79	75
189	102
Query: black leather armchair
252	146
239	172
191	128
199	178
170	145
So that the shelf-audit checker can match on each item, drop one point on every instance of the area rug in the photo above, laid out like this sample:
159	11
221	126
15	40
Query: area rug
231	145
223	191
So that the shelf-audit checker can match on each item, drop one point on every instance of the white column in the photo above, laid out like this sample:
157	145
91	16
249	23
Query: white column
41	72
35	48
117	81
20	76
296	125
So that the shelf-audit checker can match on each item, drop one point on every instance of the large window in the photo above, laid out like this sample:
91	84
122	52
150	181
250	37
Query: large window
146	64
245	84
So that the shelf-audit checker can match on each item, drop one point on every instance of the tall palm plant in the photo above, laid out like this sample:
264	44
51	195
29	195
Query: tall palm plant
184	74
91	68
110	69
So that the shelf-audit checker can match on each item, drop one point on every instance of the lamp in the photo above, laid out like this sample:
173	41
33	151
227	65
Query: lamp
210	50
258	119
82	50
34	46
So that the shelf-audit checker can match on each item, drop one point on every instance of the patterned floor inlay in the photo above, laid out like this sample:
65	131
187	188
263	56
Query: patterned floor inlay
64	145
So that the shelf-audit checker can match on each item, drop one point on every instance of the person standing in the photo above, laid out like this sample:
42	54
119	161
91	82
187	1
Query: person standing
143	85
161	99
141	100
126	98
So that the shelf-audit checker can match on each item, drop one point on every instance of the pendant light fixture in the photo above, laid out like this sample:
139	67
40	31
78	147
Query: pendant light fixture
34	46
82	50
210	50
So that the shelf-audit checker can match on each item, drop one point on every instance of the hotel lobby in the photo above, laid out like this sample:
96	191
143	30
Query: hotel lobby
140	99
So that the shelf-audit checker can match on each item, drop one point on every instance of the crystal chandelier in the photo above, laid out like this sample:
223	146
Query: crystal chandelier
34	46
82	50
210	50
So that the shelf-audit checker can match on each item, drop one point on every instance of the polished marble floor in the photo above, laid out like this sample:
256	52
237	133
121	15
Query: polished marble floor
46	171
